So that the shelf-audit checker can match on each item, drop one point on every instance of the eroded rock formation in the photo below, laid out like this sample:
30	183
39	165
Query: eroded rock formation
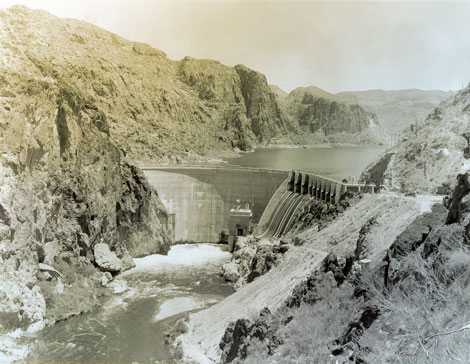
65	186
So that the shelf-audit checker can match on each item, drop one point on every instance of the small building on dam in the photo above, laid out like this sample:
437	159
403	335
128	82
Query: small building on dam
200	199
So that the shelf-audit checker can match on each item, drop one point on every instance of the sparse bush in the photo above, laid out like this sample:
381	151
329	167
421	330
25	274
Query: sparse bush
311	329
421	312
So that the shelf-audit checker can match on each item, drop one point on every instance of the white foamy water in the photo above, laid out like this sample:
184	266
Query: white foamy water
182	255
132	326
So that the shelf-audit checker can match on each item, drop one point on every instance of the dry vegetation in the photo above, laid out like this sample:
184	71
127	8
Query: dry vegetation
410	308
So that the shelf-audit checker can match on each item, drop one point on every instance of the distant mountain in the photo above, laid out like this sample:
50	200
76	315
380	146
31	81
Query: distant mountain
314	91
397	109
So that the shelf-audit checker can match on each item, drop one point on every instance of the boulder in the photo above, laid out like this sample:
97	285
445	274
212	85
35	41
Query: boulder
230	271
127	262
105	259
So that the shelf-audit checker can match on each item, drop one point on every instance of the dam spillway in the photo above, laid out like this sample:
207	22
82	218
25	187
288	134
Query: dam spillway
198	199
278	216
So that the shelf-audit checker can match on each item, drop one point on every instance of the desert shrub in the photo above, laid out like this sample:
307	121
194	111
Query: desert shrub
422	313
312	329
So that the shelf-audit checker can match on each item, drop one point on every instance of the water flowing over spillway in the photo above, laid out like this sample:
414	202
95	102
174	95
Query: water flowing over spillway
282	217
131	327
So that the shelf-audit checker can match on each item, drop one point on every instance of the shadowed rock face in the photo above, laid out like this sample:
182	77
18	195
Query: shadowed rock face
331	116
65	187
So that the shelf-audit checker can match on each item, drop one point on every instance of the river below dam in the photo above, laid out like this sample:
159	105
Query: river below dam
334	162
132	326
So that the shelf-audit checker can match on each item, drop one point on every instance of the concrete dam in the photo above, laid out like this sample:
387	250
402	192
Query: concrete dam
199	199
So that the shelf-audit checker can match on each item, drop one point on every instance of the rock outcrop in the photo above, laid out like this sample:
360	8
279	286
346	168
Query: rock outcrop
105	259
431	153
65	186
327	120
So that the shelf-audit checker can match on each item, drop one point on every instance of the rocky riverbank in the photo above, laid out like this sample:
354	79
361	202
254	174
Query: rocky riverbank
374	275
408	296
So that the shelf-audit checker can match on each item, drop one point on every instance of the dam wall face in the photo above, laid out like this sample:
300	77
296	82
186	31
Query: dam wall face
199	199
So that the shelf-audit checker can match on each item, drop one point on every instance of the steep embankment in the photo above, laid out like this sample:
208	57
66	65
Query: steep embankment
274	287
68	197
155	107
326	120
431	155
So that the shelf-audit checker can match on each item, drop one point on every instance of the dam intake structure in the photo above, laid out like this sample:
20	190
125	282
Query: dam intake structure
279	215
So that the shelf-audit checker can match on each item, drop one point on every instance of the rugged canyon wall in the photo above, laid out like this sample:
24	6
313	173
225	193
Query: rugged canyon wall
65	186
331	116
79	106
395	110
327	120
155	107
428	157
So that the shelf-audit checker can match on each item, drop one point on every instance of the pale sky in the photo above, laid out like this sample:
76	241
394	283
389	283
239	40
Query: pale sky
338	46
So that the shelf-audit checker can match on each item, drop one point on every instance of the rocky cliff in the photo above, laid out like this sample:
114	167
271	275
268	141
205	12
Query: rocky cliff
331	121
318	113
428	157
65	186
155	107
393	110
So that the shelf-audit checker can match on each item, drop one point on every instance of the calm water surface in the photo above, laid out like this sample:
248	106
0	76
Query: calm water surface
337	162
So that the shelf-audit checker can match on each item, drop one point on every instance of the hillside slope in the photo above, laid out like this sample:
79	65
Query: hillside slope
155	107
432	155
397	109
271	290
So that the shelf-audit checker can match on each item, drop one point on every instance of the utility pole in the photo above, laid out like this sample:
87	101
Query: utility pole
416	126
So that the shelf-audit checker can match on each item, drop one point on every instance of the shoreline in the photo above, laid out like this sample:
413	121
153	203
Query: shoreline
223	160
